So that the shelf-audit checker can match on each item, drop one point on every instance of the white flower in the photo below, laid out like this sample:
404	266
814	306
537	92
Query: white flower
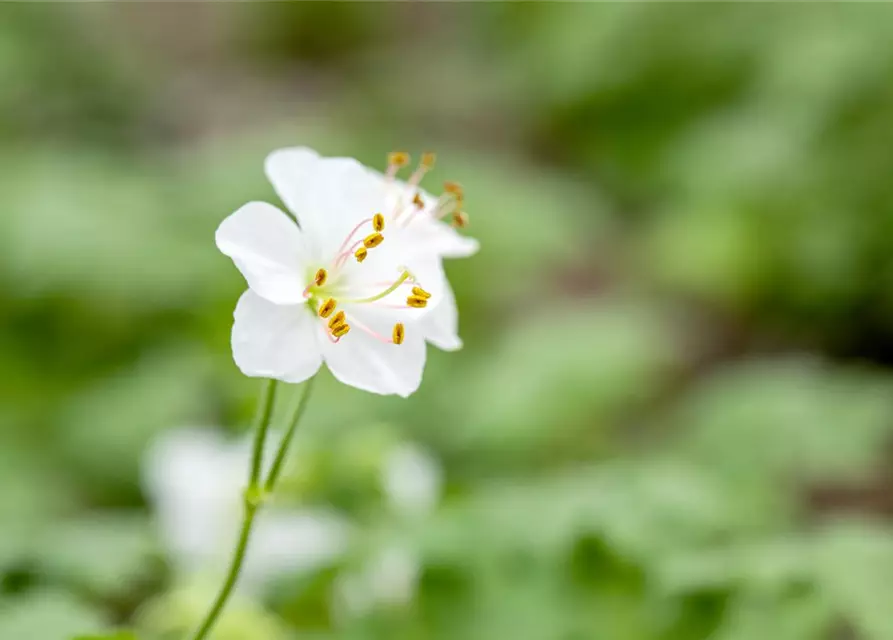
194	478
424	233
353	284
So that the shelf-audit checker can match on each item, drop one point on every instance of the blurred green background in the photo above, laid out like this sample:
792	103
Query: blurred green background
673	414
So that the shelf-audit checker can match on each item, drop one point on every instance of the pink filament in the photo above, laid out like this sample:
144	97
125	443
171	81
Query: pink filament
341	258
355	323
352	233
388	305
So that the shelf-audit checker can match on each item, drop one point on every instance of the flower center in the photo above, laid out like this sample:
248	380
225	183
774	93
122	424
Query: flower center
326	290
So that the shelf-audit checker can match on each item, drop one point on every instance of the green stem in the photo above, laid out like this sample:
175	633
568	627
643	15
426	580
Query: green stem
276	467
261	426
254	496
234	569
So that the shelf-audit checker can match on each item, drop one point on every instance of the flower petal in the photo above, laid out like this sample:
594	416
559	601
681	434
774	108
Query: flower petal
365	362
329	196
447	242
275	341
441	326
268	248
422	228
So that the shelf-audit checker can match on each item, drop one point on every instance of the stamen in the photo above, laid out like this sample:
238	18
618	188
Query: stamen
455	188
340	330
446	204
374	334
373	240
460	219
370	241
378	222
378	296
397	334
360	254
350	235
320	278
417	302
396	160
327	307
419	207
336	320
423	168
418	291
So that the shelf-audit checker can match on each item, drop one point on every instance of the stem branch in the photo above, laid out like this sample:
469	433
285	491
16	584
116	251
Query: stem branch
254	493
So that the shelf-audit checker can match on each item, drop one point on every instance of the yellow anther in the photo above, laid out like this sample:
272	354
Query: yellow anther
360	254
320	278
418	291
378	222
398	333
417	302
373	240
327	307
455	188
460	219
336	320
428	159
417	201
398	158
340	330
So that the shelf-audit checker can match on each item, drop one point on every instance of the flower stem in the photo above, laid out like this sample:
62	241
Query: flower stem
261	426
233	575
255	494
276	467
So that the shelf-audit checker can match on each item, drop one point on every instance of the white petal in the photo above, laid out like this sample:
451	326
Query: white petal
329	196
425	231
275	341
443	240
365	362
441	326
269	249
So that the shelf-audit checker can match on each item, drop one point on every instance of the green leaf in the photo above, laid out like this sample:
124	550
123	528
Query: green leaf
47	615
568	381
104	551
771	420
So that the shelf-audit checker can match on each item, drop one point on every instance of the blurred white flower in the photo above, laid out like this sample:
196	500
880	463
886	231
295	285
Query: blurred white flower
351	284
412	479
389	579
194	480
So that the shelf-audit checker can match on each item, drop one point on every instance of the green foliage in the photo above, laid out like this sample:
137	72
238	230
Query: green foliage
672	415
48	615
